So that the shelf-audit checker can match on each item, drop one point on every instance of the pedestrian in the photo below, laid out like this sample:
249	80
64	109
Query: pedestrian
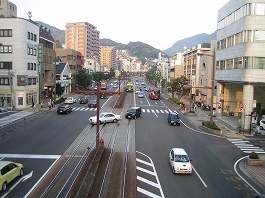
49	105
33	105
194	107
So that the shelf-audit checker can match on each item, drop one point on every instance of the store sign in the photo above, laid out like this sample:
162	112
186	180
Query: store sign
40	53
22	80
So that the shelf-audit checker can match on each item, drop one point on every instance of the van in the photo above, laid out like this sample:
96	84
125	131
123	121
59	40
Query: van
173	118
133	113
180	161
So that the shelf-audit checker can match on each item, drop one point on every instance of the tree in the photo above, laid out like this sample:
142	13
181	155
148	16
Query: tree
154	75
178	86
59	89
98	76
83	79
111	73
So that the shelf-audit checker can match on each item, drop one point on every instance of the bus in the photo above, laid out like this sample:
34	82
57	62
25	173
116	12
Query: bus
129	87
154	93
104	85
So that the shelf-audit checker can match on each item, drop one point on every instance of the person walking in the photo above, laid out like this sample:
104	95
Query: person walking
33	105
49	105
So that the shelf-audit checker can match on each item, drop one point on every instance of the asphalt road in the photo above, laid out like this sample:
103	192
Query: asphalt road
212	157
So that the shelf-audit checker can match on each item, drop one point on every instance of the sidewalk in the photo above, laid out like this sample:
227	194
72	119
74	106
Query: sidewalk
229	127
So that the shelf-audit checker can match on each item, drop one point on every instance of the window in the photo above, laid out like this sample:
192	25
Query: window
5	33
222	65
6	49
248	36
4	80
29	81
20	100
31	68
5	65
259	36
250	9
248	62
28	35
28	66
238	63
238	38
260	9
31	36
259	63
229	64
35	66
35	37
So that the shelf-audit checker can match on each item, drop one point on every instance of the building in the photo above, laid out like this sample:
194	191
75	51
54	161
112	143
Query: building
198	70
240	60
75	61
7	9
19	71
83	37
108	58
46	66
63	76
176	66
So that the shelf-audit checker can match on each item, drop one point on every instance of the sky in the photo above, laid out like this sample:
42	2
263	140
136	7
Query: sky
156	23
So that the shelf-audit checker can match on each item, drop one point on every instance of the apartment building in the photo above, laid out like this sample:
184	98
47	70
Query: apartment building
83	37
240	59
108	58
176	66
19	71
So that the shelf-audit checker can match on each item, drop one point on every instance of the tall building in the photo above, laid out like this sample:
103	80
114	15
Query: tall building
240	60
83	37
19	71
108	58
7	9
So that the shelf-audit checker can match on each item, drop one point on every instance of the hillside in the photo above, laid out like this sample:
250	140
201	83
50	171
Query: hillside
190	42
139	49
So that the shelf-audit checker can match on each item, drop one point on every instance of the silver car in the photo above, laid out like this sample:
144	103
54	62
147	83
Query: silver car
3	109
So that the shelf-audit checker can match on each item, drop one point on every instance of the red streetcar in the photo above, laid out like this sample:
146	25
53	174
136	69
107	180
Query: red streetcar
103	85
154	93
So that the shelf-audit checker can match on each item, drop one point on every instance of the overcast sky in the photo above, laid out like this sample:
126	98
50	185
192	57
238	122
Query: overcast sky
157	23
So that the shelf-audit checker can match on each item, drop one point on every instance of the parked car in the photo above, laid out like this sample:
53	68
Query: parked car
173	118
64	109
92	103
105	117
83	100
140	95
69	100
3	109
8	172
133	113
179	161
262	124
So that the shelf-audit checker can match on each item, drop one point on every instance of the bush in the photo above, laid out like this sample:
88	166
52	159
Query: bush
253	155
175	100
213	126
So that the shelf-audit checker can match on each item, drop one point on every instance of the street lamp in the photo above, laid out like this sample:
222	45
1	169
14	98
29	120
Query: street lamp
213	78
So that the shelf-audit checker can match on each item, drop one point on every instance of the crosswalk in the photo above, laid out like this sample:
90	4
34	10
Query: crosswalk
246	146
143	110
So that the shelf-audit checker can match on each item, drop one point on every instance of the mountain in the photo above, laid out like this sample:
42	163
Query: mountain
139	49
190	42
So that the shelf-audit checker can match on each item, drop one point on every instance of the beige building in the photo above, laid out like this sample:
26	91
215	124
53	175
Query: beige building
7	9
83	37
108	58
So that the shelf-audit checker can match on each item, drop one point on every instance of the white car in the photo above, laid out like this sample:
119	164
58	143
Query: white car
262	124
137	91
105	117
179	161
69	100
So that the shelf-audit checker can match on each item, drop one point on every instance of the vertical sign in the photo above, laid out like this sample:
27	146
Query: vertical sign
40	53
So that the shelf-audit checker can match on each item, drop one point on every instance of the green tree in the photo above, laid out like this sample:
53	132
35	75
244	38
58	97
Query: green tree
154	75
59	89
83	79
98	76
178	86
111	73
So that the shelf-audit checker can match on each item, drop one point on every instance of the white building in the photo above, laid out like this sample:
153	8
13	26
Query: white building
240	59
19	77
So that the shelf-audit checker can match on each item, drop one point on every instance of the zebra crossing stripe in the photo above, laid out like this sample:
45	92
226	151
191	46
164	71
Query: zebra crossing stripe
157	111
246	146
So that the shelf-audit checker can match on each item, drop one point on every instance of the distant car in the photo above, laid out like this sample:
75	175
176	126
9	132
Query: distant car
173	118
96	88
104	118
179	161
64	109
8	172
137	91
111	84
83	100
3	109
147	88
69	100
262	124
140	95
133	113
115	86
92	103
102	96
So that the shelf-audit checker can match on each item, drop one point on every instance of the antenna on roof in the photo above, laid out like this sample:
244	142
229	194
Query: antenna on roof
29	15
